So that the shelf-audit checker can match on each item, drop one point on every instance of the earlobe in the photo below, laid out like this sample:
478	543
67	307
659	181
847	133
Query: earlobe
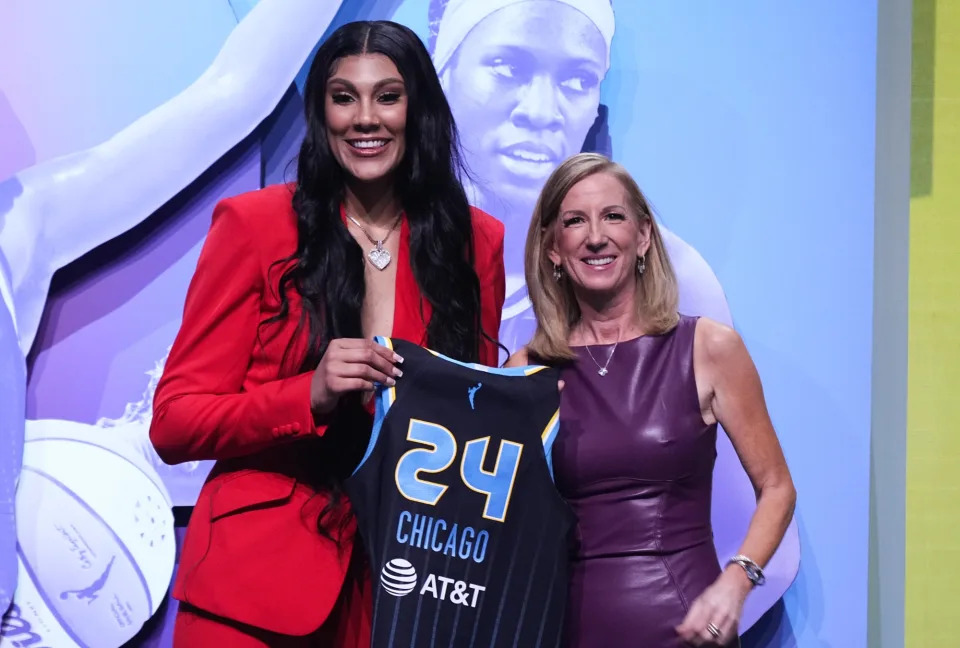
550	245
644	242
643	246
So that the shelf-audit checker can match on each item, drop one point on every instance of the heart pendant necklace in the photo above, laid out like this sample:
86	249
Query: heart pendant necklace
379	256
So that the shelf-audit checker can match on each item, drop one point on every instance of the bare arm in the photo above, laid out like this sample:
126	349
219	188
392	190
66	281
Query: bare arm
735	399
65	207
731	394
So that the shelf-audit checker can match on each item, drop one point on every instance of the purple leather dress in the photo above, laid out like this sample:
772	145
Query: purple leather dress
635	459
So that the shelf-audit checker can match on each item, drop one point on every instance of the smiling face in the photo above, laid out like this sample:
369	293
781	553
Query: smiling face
598	237
366	116
524	87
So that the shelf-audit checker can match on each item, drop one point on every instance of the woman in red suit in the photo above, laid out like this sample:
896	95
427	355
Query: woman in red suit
272	368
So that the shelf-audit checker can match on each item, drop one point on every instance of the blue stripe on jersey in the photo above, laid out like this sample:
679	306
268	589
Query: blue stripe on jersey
502	371
549	436
385	398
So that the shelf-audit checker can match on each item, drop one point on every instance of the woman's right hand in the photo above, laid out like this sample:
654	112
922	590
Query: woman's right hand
351	365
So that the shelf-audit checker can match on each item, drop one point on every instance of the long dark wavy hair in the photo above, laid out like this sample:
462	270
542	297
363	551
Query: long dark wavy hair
328	267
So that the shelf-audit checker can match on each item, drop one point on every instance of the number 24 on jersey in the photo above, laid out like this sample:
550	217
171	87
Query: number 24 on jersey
441	452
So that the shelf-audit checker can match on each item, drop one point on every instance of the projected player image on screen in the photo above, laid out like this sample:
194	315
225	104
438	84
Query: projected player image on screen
523	79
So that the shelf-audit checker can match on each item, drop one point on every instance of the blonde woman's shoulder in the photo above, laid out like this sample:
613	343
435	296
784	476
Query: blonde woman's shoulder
520	358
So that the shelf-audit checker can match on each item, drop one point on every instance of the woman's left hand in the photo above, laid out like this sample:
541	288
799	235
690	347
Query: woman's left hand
718	608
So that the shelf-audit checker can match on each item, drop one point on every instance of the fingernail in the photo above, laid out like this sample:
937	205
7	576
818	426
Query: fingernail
397	358
397	372
391	382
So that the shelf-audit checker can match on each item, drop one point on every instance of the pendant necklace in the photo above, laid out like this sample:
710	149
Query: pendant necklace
602	369
379	256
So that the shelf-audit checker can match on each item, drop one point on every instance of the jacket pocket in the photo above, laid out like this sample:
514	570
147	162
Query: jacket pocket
250	490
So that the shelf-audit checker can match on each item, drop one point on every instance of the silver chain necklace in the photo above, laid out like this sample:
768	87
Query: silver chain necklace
602	369
379	256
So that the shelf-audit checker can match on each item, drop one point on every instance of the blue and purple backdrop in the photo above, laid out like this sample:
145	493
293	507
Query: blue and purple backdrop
749	126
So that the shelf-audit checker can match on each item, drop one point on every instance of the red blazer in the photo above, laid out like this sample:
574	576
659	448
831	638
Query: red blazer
252	552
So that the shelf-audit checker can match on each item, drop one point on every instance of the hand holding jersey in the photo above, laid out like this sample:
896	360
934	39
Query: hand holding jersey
351	365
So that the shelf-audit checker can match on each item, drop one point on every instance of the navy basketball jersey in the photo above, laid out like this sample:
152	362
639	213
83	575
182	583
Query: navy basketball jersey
466	534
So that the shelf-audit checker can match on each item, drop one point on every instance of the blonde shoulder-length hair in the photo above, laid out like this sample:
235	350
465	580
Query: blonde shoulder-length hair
554	304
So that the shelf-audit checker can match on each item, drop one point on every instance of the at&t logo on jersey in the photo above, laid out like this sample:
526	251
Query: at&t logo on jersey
399	578
449	589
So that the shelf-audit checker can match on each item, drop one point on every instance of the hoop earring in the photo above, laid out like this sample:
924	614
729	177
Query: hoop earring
557	272
641	265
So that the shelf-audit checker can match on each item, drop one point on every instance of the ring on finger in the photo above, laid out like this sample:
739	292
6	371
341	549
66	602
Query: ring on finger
713	630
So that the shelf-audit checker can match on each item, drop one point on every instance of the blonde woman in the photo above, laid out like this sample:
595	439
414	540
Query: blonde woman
644	391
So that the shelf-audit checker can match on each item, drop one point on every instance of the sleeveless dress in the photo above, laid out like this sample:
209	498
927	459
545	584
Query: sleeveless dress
635	459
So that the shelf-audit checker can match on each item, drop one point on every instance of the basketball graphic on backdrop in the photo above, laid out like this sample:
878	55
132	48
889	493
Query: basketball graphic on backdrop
95	545
398	577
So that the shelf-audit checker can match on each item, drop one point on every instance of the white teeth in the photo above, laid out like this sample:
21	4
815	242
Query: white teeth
530	157
362	144
599	262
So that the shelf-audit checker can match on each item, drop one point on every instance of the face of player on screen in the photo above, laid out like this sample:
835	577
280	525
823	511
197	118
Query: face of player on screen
524	86
366	116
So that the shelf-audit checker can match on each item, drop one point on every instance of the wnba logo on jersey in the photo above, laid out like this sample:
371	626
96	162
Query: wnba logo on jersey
472	394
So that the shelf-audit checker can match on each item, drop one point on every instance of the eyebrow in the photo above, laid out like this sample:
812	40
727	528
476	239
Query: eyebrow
608	208
573	60
376	86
